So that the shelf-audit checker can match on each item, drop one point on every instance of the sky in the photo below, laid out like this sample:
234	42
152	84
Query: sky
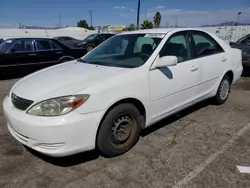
186	13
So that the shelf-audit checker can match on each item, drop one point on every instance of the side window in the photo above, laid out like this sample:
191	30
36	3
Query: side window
54	46
205	45
177	45
22	45
43	45
144	45
101	37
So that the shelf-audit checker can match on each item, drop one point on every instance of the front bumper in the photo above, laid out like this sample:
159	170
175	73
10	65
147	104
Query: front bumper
54	136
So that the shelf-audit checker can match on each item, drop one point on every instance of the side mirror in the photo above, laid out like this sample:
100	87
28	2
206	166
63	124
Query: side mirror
231	43
166	61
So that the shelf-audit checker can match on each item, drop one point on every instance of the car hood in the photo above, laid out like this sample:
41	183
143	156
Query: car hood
61	80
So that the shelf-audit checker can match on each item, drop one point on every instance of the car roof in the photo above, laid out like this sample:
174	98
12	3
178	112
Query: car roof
160	30
36	38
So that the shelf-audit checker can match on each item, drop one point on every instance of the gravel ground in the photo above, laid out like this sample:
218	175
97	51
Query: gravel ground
200	147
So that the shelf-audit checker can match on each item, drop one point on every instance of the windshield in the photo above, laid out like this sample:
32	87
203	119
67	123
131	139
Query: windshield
90	37
130	51
243	40
2	45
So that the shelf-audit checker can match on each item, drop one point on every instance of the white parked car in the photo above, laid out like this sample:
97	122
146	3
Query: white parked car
126	84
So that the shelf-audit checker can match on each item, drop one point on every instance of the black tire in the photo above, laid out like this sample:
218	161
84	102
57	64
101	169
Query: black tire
110	142
221	98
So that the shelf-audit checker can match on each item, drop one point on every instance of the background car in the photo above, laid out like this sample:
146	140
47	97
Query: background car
1	40
244	45
21	56
90	42
68	41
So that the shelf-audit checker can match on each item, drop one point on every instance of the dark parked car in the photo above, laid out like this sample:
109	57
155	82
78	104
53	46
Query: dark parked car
91	41
1	40
68	41
244	45
22	56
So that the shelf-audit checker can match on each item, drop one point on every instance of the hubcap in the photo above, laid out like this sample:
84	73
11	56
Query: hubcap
122	130
224	89
89	48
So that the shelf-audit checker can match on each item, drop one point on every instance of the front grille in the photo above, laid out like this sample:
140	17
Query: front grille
20	103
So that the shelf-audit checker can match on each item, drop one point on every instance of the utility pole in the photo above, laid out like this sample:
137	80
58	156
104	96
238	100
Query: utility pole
238	18
176	22
138	14
59	23
90	12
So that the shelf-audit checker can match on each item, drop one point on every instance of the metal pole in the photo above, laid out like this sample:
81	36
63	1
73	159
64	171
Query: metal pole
59	21
90	12
138	14
176	21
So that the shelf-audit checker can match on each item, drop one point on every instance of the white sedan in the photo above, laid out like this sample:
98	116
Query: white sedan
126	84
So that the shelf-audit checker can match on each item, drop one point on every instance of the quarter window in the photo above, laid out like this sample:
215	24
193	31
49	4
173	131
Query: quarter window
204	45
25	45
177	46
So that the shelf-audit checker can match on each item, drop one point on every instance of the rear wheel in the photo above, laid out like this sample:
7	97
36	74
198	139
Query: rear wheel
223	90
119	131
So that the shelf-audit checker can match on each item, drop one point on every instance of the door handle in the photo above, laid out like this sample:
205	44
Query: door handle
58	52
194	68
224	59
32	54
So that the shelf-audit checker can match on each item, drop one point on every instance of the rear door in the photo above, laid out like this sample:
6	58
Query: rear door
48	52
211	59
174	87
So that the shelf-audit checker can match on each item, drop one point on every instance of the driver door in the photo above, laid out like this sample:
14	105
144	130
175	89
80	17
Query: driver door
20	58
174	87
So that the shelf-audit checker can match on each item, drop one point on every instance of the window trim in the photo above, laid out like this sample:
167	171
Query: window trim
194	55
18	52
189	46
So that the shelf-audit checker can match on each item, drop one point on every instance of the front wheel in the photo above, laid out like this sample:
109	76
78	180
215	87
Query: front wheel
223	90
89	48
119	131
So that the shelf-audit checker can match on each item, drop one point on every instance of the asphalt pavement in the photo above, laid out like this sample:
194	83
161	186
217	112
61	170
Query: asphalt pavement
198	148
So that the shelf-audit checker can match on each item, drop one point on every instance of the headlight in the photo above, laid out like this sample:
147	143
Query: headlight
81	43
57	106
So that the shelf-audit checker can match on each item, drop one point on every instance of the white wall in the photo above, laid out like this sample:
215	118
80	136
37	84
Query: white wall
229	33
76	32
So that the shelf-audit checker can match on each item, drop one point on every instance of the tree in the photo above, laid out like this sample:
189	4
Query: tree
91	28
146	24
157	19
83	24
131	27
